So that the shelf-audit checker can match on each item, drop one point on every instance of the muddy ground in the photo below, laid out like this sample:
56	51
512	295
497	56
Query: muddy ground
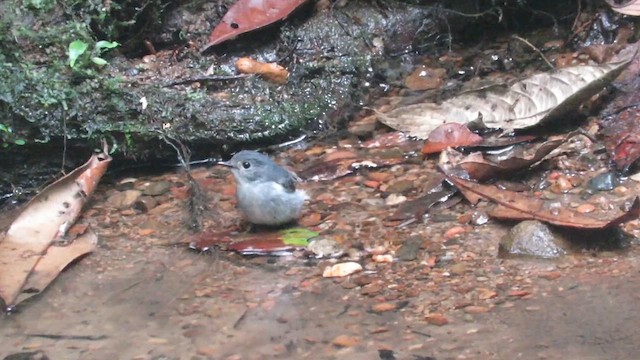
143	294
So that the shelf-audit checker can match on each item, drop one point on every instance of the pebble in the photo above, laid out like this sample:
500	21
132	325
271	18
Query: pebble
395	199
123	199
437	319
383	307
145	203
473	309
345	341
379	258
156	188
342	269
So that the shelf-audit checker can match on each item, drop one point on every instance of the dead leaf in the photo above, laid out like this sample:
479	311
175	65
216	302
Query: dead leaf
45	218
481	169
527	103
281	242
248	15
54	261
627	7
516	206
450	135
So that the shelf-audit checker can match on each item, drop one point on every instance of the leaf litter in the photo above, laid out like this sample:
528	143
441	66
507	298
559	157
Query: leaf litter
453	278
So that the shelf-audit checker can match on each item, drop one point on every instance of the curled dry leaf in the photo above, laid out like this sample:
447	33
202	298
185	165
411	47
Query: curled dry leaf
248	15
46	218
511	205
450	135
627	7
270	71
479	168
54	261
527	103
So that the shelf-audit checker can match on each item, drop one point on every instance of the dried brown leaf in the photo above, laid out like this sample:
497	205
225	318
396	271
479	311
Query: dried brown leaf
527	103
44	219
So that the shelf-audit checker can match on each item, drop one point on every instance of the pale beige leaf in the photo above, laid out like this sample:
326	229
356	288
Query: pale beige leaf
44	219
526	103
628	7
54	261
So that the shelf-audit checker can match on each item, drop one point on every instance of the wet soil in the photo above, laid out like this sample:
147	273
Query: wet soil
144	295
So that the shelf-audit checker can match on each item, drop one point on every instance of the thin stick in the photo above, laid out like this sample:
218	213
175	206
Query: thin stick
534	48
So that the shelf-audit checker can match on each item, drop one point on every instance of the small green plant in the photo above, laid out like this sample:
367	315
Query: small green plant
7	136
78	52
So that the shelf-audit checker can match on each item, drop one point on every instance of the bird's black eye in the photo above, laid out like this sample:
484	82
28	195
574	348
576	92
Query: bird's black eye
246	164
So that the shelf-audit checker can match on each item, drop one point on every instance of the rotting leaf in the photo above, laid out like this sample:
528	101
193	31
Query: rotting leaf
516	206
248	15
527	103
281	242
481	169
56	259
450	135
46	218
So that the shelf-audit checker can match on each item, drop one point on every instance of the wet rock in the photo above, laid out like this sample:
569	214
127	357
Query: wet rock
156	188
603	182
323	247
145	203
124	199
533	238
409	249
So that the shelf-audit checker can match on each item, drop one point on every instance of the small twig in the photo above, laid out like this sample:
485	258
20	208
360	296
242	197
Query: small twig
240	320
69	337
208	79
535	49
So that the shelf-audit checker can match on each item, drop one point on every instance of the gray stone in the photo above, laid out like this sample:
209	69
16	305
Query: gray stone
156	188
533	238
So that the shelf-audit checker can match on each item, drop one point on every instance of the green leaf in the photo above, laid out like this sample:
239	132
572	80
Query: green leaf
4	128
99	61
297	236
102	44
76	48
19	142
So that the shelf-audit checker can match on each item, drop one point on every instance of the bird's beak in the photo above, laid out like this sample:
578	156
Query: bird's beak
225	163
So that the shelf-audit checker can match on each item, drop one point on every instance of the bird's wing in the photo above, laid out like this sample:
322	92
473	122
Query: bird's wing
287	179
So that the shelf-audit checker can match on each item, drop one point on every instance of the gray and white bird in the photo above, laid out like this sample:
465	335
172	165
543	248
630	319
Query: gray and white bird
266	191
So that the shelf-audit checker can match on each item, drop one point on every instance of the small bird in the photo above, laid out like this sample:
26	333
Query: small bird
266	191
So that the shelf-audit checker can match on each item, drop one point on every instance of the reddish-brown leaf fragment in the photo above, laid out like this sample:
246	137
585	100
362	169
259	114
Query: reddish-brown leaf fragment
450	135
516	206
248	15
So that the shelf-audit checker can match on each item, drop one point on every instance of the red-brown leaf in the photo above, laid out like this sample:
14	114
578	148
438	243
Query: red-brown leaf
248	15
450	135
516	206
